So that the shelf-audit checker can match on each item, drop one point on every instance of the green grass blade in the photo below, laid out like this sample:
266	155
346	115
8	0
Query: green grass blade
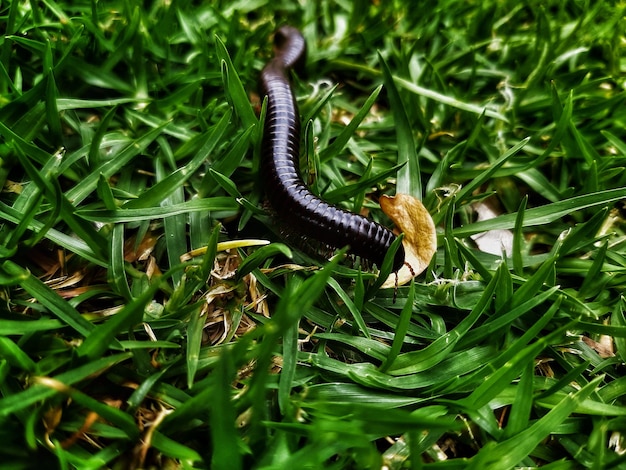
400	330
288	370
416	361
19	401
409	177
433	95
350	305
234	88
544	214
117	274
618	318
510	452
137	215
342	139
485	175
166	186
195	329
102	337
522	406
507	365
109	168
48	298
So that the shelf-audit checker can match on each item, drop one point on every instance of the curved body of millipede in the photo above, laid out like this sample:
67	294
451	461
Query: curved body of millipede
305	214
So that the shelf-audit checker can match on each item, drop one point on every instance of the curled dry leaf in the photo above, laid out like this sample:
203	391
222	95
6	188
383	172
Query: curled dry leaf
604	347
420	239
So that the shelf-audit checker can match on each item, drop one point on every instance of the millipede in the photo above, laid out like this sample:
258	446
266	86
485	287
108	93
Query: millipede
305	214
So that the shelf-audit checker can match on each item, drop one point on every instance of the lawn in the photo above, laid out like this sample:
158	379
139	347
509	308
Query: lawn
155	316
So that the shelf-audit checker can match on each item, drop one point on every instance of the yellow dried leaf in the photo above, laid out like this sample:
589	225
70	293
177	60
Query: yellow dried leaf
420	239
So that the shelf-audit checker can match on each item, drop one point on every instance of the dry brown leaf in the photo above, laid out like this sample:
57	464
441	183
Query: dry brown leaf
604	347
420	238
141	252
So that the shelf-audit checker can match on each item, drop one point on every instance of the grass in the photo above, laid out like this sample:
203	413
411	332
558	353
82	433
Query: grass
146	322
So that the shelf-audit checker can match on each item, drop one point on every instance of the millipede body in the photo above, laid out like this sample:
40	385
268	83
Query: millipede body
305	214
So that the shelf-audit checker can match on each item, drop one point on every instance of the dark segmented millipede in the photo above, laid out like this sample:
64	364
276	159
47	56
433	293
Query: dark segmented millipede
304	213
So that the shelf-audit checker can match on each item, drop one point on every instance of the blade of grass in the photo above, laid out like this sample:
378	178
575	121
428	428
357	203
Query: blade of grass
349	304
400	330
48	298
67	241
440	98
118	418
195	329
19	401
510	452
342	139
233	87
102	337
109	168
468	189
409	176
166	186
288	370
434	353
137	215
544	214
507	365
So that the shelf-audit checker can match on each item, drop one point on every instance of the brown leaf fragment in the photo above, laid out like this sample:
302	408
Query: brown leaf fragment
139	252
420	238
604	347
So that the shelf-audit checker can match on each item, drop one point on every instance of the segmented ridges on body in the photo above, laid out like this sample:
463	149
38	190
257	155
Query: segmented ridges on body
290	198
